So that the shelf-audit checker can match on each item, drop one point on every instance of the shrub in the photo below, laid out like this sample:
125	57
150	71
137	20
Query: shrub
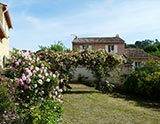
107	87
34	84
145	80
81	77
99	62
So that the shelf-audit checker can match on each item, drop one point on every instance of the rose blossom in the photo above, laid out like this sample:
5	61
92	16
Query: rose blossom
54	75
17	63
46	74
40	81
37	68
48	80
28	80
35	86
42	92
23	77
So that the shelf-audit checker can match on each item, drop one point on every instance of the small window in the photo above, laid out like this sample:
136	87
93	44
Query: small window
137	64
90	47
110	48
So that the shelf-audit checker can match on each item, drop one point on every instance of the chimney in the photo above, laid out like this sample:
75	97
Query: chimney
117	35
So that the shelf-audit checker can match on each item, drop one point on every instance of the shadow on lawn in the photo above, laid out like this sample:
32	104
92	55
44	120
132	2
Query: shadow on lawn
140	100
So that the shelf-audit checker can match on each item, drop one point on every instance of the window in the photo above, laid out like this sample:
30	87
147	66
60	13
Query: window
137	64
90	47
111	48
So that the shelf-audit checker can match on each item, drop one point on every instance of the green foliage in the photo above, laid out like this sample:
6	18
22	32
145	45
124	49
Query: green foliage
7	103
99	62
57	47
145	80
143	43
107	87
49	112
81	77
149	46
153	49
130	46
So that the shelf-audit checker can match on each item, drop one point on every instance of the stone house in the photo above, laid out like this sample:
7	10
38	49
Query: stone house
110	44
138	56
5	25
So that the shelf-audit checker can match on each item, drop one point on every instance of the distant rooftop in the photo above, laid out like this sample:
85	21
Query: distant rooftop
138	53
98	39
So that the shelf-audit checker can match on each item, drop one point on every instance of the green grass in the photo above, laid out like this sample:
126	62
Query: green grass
85	105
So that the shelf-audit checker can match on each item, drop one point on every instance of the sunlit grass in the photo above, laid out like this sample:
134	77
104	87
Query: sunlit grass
84	105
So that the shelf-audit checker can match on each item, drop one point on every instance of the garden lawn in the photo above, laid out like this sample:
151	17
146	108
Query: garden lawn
85	105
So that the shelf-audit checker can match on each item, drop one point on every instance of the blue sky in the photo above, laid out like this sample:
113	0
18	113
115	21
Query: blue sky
43	22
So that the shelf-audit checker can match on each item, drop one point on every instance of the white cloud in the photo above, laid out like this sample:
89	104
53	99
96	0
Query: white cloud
131	19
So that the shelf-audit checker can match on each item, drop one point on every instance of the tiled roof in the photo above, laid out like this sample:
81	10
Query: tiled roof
98	40
137	53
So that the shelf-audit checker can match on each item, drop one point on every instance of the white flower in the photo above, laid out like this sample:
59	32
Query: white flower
46	74
42	92
37	68
56	93
54	75
35	86
40	81
60	90
48	80
57	87
40	76
36	91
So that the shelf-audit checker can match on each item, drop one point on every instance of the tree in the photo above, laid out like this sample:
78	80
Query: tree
150	48
57	47
143	43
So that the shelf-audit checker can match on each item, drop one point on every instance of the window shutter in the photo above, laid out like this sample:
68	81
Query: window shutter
115	48
106	48
90	47
81	47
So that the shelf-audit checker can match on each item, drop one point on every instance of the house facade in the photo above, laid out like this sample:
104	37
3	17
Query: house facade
110	44
138	56
5	25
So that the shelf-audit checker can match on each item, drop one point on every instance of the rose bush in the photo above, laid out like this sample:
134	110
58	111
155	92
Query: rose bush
32	84
99	62
145	80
